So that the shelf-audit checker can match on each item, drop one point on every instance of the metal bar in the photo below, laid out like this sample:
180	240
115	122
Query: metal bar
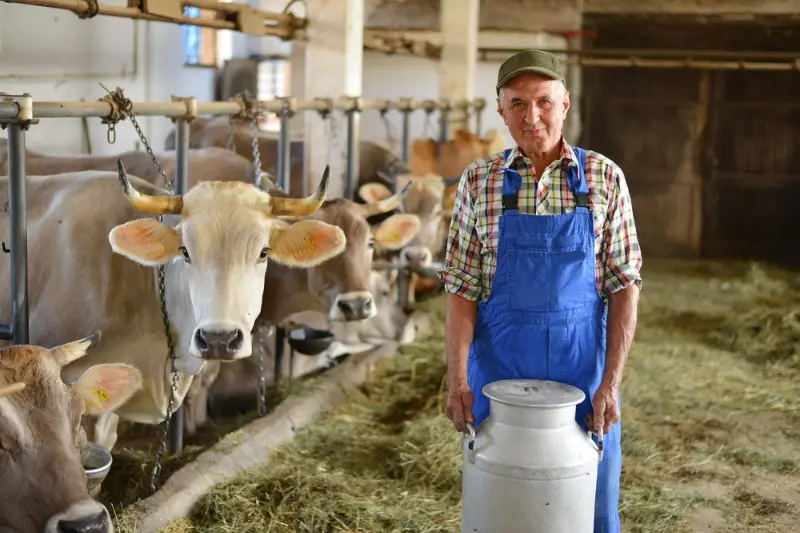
17	194
284	154
352	154
181	184
102	109
6	333
83	7
406	135
443	126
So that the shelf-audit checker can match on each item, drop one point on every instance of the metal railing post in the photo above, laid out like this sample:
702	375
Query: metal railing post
284	175
406	108
352	148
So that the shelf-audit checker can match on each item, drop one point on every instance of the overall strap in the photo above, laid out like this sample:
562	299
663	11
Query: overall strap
576	177
512	181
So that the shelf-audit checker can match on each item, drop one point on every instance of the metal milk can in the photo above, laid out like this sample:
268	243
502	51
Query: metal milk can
530	468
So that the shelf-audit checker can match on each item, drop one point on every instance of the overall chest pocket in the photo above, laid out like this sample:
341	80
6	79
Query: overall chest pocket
547	274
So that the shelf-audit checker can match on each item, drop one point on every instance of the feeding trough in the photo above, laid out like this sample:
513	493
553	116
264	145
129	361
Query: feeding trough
96	463
308	340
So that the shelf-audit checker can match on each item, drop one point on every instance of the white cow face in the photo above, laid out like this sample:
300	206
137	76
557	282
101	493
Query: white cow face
220	250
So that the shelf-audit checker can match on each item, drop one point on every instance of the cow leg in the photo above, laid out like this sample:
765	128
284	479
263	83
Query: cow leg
196	402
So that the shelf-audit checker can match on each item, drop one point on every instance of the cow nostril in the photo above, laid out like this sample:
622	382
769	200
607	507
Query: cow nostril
200	339
236	340
89	524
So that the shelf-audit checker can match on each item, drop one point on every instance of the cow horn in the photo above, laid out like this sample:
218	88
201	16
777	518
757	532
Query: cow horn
384	206
301	207
154	205
11	389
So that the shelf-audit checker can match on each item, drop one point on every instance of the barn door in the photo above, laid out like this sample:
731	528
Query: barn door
651	123
751	197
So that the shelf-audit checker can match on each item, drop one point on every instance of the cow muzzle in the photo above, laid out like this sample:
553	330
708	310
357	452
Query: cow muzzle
417	256
351	306
88	516
218	343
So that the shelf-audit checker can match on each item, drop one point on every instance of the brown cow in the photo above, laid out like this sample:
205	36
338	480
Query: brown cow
43	485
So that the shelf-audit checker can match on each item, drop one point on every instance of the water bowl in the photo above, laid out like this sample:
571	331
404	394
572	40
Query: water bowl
96	463
309	341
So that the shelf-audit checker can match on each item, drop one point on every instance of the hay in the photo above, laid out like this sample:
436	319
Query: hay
710	412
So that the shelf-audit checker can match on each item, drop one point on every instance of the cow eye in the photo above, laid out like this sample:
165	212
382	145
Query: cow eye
185	254
263	255
372	242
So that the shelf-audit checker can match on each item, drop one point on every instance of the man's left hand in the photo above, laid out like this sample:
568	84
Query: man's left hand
606	409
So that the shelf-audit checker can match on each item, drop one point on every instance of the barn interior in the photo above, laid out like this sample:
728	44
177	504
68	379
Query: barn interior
697	101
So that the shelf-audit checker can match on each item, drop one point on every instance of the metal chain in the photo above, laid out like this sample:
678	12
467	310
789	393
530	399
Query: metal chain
124	107
390	137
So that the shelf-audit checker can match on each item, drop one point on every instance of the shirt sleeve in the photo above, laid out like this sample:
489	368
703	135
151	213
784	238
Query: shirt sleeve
621	255
461	271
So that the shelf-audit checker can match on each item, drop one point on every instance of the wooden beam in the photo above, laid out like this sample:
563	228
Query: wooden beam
729	8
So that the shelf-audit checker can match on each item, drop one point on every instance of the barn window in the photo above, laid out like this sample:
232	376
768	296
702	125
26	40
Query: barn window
199	43
274	81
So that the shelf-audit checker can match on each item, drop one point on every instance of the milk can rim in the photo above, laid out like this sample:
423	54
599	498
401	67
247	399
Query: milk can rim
555	394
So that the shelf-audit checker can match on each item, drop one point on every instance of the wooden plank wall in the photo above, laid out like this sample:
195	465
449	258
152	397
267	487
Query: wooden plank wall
710	157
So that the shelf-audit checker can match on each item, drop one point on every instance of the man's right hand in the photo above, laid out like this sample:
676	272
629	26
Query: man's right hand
459	407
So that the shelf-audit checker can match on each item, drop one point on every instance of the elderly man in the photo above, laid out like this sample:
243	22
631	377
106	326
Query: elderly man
542	237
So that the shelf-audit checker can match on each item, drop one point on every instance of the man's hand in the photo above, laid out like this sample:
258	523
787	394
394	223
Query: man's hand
606	409
459	406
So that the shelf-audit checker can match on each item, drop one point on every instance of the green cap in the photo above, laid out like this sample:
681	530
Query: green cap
543	63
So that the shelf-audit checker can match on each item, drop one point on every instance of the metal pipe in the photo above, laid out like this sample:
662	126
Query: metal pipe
17	195
406	135
284	154
181	185
5	332
352	154
443	125
102	108
83	7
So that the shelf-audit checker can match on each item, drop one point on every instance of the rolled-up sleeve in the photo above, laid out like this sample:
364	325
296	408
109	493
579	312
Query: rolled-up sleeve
461	270
621	255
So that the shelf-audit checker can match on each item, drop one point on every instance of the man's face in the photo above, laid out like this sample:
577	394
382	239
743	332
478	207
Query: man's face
534	108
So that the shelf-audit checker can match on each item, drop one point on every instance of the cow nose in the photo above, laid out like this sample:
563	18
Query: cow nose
414	256
214	344
356	308
89	524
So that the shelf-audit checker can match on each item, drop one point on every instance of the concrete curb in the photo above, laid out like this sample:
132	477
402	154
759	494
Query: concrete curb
253	444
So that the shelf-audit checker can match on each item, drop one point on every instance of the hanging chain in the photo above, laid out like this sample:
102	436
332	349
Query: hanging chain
122	107
391	139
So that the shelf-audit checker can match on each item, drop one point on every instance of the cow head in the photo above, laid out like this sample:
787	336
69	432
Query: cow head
218	252
344	281
43	486
425	199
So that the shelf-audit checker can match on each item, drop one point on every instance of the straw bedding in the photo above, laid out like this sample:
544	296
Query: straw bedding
710	425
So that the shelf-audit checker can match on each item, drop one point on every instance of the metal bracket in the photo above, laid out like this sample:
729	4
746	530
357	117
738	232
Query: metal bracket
405	105
191	108
328	107
288	106
24	104
352	104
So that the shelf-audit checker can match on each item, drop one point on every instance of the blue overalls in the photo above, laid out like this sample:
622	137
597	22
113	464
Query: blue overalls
544	318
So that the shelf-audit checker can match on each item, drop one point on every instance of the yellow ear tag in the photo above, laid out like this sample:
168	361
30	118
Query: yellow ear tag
101	395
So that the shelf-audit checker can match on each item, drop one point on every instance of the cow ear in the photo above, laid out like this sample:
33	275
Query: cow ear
146	241
306	243
374	192
397	231
106	387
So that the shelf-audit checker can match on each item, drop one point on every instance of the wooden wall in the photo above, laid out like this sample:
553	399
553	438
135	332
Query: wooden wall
712	158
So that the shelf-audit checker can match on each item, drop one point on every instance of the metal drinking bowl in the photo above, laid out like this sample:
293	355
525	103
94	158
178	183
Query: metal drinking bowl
96	463
429	271
309	341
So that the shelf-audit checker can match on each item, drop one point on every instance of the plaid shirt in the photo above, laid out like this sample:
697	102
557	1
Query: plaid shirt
471	255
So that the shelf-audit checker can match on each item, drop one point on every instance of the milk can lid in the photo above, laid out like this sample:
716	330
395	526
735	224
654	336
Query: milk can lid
534	393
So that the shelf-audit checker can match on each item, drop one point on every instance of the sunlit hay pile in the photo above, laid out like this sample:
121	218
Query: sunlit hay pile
710	400
387	460
711	439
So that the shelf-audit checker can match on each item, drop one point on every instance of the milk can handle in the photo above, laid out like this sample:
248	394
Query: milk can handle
599	435
471	443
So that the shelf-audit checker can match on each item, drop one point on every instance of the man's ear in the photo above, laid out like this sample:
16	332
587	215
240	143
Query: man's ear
146	241
106	387
306	243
